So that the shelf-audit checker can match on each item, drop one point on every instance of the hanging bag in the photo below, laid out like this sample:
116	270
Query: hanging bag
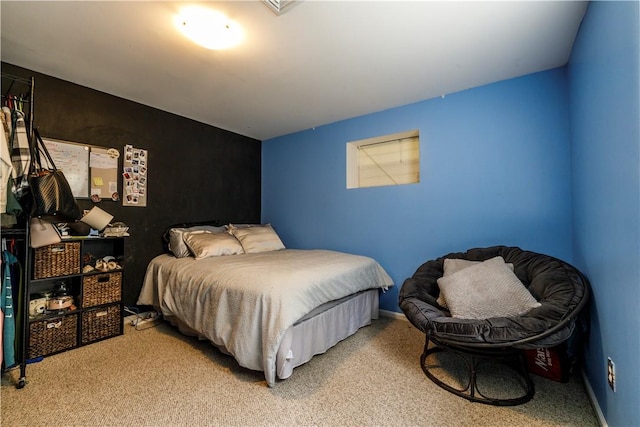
52	196
42	233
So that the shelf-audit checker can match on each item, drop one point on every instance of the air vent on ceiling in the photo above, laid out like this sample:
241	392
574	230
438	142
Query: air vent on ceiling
278	6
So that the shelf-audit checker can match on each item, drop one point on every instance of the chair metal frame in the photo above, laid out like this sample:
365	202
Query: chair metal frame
473	358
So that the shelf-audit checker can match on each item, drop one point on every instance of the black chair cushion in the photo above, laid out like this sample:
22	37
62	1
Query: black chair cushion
558	286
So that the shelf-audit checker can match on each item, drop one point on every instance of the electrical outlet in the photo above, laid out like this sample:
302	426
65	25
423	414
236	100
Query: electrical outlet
611	374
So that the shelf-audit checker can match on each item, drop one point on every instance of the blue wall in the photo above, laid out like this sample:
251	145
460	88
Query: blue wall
605	116
549	162
495	169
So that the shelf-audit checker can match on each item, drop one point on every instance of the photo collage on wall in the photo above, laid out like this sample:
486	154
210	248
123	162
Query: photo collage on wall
134	176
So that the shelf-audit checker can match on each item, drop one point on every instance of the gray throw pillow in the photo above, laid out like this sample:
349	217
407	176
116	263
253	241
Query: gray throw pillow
256	239
452	266
486	290
177	245
204	244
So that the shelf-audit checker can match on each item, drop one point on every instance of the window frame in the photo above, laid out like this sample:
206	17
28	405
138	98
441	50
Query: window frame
353	163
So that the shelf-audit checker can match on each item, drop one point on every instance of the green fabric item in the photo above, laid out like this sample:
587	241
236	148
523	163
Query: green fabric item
6	304
13	206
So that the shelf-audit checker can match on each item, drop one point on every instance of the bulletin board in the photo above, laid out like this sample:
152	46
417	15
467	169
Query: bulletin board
73	160
103	168
92	172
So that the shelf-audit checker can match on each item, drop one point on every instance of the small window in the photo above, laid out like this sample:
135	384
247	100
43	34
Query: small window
387	160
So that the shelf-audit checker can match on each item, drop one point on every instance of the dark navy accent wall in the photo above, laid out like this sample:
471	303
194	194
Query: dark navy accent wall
196	171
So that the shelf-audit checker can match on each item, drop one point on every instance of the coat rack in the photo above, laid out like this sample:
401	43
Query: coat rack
20	233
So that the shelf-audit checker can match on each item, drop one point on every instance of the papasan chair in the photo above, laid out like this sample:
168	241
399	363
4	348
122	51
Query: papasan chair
477	283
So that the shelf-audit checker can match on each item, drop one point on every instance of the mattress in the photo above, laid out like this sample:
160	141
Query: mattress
247	304
316	332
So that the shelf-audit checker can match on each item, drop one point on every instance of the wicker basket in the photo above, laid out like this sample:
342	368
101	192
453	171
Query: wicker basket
53	335
99	323
101	289
61	259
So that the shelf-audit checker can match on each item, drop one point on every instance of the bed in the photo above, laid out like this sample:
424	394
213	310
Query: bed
270	307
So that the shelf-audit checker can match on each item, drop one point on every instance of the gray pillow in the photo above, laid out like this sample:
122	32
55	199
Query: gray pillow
452	266
204	244
176	241
256	239
486	290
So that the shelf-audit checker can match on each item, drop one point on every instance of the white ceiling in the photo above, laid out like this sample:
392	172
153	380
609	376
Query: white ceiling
317	63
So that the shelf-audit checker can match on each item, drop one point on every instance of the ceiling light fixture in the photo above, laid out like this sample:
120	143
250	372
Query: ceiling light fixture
208	28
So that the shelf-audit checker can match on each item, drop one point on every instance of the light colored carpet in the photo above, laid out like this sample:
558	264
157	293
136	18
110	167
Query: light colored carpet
158	377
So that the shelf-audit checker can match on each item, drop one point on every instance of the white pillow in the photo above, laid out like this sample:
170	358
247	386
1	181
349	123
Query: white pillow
176	241
204	244
255	239
452	266
486	290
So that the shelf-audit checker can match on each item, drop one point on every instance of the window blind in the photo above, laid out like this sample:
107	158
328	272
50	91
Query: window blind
391	162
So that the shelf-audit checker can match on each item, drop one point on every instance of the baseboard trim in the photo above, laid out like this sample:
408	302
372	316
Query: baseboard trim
592	398
393	314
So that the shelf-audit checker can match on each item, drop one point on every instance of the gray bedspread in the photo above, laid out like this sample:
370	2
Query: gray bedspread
245	303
